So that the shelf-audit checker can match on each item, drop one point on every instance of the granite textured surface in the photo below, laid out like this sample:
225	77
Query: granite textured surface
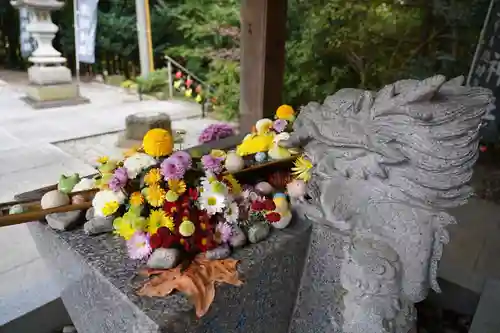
321	277
99	283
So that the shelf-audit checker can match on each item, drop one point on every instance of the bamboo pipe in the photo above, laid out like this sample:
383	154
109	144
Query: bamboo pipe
37	213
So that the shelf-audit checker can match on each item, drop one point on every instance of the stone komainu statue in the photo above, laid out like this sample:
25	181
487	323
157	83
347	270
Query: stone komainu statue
387	165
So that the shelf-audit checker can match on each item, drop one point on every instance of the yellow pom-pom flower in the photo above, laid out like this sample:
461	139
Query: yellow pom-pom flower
285	112
158	142
152	177
157	219
187	228
155	195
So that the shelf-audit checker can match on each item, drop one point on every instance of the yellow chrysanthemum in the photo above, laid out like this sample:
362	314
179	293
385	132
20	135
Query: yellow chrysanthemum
110	208
103	160
158	219
152	177
285	112
302	168
155	195
123	228
177	186
255	144
136	199
218	153
233	183
158	142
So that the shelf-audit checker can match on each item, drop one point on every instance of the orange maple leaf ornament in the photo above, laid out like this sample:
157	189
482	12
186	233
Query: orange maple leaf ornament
197	282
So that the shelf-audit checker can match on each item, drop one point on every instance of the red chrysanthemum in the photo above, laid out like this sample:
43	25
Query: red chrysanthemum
258	205
155	241
273	217
170	207
193	193
269	204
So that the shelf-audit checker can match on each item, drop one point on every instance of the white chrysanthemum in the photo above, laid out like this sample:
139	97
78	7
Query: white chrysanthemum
211	184
103	197
232	213
136	163
212	203
84	184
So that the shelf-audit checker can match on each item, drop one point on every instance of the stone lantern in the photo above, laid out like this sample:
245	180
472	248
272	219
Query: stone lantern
50	80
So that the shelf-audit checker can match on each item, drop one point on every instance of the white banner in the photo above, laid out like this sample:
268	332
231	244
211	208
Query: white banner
86	26
27	43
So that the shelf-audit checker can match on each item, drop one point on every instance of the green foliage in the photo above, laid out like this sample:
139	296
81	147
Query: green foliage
224	78
154	82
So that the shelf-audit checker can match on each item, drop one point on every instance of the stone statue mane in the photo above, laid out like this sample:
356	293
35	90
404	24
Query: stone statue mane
386	165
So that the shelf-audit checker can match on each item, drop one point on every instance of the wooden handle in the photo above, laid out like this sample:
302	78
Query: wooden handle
40	214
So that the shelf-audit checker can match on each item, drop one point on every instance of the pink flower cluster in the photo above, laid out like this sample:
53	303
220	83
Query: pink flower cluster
215	132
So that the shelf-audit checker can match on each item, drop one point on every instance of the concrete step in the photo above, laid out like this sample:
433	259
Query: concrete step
487	316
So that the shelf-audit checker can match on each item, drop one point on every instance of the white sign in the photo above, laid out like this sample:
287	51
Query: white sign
86	29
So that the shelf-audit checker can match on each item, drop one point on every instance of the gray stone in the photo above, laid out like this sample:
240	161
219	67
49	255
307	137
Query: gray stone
89	214
164	258
221	252
486	319
258	232
63	221
137	125
238	237
101	283
386	165
98	225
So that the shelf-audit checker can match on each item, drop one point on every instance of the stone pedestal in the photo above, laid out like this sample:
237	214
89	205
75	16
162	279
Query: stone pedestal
99	285
137	125
51	82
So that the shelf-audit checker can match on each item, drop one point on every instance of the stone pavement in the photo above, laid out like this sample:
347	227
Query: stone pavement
37	146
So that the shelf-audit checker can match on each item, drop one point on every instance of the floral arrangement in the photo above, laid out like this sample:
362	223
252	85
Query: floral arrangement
164	199
215	132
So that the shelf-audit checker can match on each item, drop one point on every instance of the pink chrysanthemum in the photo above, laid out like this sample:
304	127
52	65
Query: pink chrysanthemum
172	168
225	231
138	246
212	164
215	132
184	157
119	179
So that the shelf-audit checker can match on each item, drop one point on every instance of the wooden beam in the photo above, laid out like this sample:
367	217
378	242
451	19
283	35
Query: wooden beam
263	36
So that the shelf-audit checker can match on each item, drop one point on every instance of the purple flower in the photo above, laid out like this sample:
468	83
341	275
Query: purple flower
172	168
184	157
212	164
225	231
279	125
138	246
119	179
215	132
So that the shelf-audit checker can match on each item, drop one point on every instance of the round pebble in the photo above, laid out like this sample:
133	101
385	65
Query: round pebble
89	214
234	162
164	258
258	232
77	199
98	225
261	157
54	199
16	209
264	188
221	252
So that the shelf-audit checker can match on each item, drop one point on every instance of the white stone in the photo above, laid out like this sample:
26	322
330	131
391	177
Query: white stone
234	162
98	225
54	199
